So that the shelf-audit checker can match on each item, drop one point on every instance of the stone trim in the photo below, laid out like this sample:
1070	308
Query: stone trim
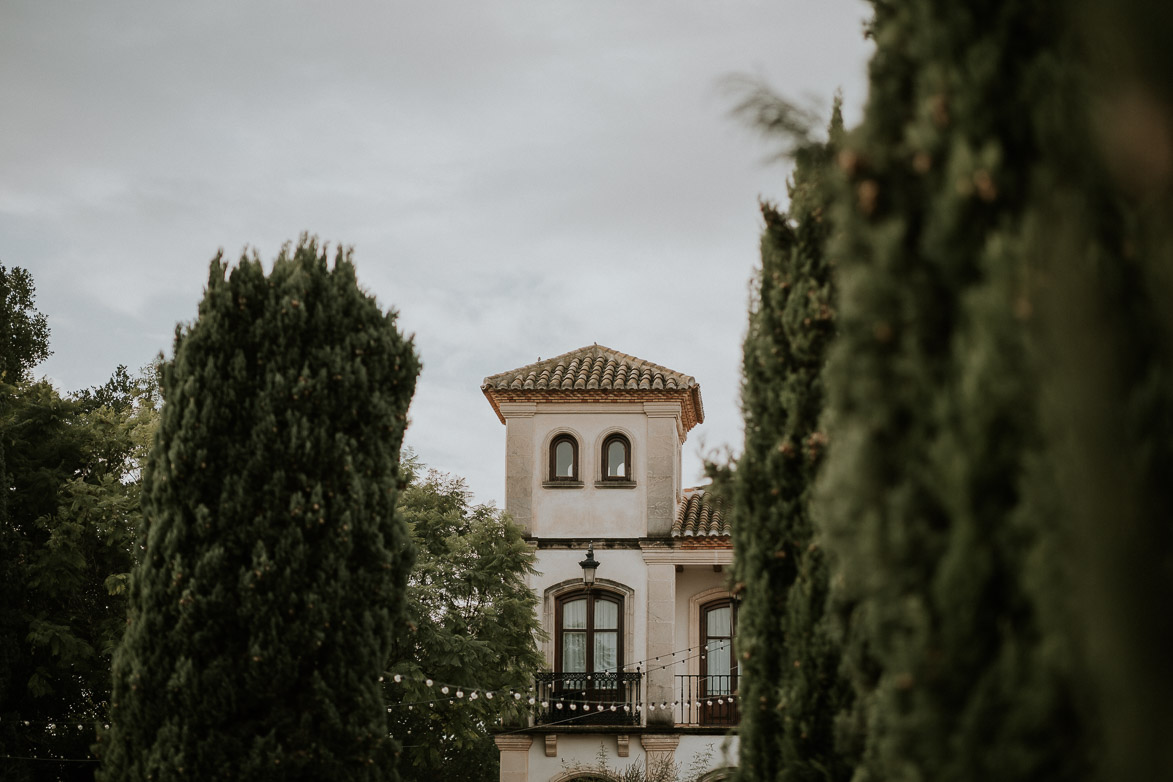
690	556
517	410
607	544
672	410
660	742
659	747
623	749
513	742
589	408
551	745
514	757
687	402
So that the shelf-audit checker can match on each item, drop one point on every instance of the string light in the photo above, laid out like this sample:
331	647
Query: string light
580	707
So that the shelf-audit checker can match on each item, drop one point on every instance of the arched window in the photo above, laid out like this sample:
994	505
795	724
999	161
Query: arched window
616	458
564	458
589	630
718	667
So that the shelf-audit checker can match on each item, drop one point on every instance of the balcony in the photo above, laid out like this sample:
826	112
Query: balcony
706	701
588	698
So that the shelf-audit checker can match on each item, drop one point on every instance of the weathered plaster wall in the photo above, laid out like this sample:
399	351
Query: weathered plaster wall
591	510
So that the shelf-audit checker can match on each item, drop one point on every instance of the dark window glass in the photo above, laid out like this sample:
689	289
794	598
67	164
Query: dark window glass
564	458
616	458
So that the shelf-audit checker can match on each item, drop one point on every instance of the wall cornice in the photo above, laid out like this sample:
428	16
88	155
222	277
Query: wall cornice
663	555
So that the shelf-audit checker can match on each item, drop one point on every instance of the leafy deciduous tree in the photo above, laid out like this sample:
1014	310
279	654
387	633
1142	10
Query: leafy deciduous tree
24	332
473	622
72	506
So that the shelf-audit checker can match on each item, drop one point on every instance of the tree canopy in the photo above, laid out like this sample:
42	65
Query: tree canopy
71	472
473	622
24	332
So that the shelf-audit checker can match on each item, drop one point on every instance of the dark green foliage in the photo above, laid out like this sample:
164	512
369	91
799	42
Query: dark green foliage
271	584
24	333
67	526
1104	243
790	687
474	622
937	496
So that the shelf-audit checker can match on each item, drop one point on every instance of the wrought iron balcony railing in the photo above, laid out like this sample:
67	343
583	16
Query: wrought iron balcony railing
706	700
588	698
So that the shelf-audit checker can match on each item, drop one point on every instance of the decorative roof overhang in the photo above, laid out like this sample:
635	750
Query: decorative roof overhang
596	374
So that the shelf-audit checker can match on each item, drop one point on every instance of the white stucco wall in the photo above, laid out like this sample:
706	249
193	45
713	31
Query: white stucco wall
592	510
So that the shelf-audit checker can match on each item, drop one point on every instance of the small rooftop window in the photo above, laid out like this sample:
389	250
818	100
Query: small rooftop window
564	458
616	458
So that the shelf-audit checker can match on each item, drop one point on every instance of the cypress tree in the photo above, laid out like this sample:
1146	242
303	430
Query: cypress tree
1105	245
273	568
790	686
936	495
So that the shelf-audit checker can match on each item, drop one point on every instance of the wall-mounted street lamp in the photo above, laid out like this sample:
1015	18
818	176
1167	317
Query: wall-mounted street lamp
589	566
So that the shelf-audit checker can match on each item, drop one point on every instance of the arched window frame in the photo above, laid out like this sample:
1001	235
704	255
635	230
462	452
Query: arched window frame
716	710
705	608
564	437
592	596
604	464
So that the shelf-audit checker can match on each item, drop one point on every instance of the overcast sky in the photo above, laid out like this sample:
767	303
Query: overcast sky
518	178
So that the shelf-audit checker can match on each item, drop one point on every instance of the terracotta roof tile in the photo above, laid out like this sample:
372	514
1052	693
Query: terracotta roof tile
700	514
600	369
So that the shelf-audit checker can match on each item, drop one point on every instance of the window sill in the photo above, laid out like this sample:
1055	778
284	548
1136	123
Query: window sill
614	484
562	484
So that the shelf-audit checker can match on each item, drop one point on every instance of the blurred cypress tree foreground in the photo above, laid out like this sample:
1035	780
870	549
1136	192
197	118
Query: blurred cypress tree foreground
272	580
934	500
995	502
791	689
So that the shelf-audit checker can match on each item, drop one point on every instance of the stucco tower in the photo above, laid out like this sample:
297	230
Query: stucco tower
593	448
